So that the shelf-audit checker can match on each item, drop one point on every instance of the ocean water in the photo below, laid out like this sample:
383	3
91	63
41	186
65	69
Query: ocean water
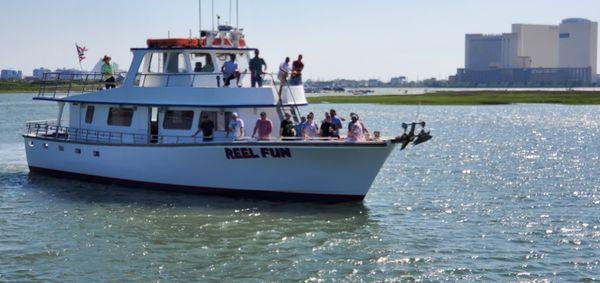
503	193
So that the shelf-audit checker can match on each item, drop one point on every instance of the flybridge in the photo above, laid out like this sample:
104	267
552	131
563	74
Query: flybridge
225	37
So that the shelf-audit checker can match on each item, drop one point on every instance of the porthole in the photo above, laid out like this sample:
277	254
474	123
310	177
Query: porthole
45	145
30	144
96	153
61	148
78	150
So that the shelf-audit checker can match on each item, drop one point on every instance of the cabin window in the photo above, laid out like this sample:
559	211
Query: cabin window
175	63
120	116
178	120
89	114
202	62
156	62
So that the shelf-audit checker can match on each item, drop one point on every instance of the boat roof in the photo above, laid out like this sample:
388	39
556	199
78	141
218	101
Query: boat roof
193	48
178	97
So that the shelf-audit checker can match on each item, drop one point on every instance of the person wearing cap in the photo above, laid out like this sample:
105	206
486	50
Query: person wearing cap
236	126
108	73
286	129
264	127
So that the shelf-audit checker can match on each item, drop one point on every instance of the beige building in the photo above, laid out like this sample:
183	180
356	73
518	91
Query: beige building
538	45
578	44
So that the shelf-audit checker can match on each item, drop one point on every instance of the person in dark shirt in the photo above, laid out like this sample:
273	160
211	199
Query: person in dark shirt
198	67
286	130
297	67
207	127
327	129
256	69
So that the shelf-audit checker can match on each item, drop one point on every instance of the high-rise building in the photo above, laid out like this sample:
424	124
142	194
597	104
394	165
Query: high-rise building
39	73
537	45
10	74
485	52
578	44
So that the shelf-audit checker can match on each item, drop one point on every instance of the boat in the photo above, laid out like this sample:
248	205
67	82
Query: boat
141	133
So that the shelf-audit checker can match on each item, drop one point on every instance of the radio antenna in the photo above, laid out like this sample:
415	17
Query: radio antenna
199	18
237	14
230	22
212	7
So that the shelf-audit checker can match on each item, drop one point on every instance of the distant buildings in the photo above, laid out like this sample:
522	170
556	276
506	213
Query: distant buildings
10	74
398	81
39	72
533	54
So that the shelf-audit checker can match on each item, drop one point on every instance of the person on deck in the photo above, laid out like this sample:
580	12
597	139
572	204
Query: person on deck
327	129
108	73
284	70
300	126
337	122
230	71
236	126
286	129
311	129
356	129
297	67
198	67
207	127
264	127
256	69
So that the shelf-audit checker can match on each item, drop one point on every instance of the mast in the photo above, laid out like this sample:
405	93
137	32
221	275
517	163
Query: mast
199	18
237	14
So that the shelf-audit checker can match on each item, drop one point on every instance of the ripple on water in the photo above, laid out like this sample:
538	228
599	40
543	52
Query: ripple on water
503	193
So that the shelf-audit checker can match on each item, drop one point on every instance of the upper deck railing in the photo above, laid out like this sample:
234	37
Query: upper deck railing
53	84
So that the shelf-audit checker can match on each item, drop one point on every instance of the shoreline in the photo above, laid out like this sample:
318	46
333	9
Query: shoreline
470	98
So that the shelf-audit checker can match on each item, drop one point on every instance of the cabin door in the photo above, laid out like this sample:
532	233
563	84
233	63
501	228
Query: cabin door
153	124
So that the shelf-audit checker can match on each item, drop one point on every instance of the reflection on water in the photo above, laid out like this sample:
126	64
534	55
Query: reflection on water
503	193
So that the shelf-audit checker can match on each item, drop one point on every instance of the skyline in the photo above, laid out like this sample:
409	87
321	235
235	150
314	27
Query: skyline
413	38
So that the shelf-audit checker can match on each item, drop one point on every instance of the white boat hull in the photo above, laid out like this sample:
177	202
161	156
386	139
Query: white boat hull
319	169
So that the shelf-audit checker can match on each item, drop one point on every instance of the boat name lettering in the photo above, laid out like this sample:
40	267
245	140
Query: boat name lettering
263	152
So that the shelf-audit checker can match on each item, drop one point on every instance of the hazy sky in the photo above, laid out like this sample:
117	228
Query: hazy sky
338	38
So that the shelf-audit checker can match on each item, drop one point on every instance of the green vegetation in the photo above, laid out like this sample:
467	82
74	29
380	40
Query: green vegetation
18	86
471	98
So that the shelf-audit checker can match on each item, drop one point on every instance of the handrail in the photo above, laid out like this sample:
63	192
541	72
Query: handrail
141	78
47	129
53	83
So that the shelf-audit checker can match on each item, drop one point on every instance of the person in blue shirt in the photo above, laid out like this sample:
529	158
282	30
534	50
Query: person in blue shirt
300	126
230	71
336	122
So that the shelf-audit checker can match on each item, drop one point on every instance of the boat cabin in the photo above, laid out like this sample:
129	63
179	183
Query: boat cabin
170	85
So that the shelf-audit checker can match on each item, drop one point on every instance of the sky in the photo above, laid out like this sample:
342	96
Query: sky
338	38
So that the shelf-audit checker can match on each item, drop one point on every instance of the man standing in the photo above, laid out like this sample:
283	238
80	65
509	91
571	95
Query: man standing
236	126
207	127
297	67
264	127
286	129
108	73
256	69
336	121
230	71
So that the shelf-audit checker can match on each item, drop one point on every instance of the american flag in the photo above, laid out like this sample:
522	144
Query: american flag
81	52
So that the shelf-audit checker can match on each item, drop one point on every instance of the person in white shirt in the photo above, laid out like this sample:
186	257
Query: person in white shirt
236	126
284	70
230	71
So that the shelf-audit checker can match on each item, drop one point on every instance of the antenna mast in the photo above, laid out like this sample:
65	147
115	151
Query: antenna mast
199	18
230	22
237	14
212	6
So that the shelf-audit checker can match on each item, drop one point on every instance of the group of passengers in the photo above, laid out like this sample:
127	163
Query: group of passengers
258	67
307	128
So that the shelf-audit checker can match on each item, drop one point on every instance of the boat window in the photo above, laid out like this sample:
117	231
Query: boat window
202	62
89	114
156	62
175	63
118	116
178	120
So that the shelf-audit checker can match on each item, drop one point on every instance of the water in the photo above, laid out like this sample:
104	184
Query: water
504	193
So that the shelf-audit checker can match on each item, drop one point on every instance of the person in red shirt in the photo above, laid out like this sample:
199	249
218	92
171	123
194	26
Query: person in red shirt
297	67
264	127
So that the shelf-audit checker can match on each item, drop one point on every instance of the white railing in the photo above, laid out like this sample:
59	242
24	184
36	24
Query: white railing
51	130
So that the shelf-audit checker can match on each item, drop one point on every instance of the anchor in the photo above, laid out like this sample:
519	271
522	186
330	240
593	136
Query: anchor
408	137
